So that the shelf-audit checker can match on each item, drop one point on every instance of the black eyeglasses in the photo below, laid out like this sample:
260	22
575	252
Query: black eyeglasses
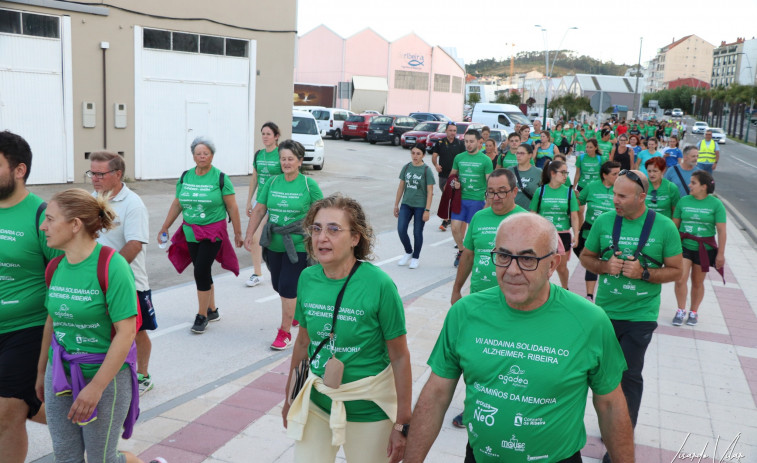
525	263
498	194
99	175
635	178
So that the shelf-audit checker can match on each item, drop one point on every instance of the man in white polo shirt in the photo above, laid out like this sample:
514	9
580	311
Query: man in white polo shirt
129	238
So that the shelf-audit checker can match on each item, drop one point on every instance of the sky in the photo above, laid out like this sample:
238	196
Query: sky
482	29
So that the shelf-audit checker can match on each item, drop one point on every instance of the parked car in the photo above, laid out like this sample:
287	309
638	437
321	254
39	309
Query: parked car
677	112
331	121
356	126
420	132
498	135
389	128
462	127
305	131
668	112
699	127
718	134
372	111
421	117
309	109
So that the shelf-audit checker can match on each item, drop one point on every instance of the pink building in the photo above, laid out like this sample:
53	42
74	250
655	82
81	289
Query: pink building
368	72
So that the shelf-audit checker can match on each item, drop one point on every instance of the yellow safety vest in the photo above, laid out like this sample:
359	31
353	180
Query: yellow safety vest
707	151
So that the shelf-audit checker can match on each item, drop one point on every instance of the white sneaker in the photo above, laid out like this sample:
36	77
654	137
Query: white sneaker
414	263
405	259
254	280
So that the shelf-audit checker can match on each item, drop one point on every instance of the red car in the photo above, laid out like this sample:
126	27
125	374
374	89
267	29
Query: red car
356	126
462	127
420	132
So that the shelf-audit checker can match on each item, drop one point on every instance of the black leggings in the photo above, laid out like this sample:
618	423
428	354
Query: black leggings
203	254
469	458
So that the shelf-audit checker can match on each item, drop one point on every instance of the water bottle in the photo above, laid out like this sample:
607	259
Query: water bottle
163	242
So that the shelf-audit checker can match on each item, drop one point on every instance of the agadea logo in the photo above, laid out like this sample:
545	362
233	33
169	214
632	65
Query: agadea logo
413	59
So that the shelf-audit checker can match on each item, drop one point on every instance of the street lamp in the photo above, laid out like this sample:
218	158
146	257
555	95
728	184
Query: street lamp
547	68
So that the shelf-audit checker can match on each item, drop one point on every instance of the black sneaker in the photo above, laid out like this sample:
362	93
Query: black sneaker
213	315
457	258
458	421
200	324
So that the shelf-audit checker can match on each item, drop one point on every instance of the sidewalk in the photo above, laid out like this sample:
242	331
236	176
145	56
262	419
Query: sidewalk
699	380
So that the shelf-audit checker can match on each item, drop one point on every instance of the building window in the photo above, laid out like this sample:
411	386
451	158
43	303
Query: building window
441	83
194	43
410	80
37	25
457	84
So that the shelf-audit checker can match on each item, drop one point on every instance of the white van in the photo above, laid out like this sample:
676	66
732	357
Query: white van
499	116
305	131
331	121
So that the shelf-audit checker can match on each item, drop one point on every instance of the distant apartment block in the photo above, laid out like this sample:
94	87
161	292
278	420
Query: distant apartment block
734	63
690	56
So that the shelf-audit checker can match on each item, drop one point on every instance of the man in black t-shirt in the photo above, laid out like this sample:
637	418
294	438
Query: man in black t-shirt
442	155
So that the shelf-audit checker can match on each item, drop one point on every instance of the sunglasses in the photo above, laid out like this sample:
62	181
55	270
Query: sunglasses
633	177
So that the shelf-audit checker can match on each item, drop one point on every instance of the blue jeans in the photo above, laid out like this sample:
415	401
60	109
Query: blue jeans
403	222
705	166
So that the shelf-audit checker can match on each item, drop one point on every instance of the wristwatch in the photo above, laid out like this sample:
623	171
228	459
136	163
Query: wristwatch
645	274
402	428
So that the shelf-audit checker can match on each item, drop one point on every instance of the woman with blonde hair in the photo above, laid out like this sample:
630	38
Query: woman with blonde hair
87	367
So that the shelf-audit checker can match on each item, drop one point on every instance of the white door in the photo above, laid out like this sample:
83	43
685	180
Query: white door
198	123
32	102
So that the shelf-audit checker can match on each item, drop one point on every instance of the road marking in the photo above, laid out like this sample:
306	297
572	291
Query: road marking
272	297
439	243
379	264
169	330
744	162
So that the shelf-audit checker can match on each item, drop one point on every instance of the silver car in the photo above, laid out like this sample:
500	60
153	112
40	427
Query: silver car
718	134
699	127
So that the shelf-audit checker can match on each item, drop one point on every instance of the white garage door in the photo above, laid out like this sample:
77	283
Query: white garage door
35	90
188	85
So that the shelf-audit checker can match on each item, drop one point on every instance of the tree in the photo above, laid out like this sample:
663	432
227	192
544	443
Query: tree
512	98
474	98
530	102
569	105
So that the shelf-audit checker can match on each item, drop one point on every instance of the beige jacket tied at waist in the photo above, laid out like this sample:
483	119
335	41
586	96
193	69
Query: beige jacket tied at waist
379	389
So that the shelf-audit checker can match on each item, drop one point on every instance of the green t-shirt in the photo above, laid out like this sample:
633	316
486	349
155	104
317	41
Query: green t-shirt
621	297
668	130
590	133
557	136
417	179
590	167
699	217
529	182
509	159
371	313
23	256
75	302
569	134
605	148
580	143
554	205
598	199
663	199
266	165
288	202
480	240
651	129
527	373
201	199
473	169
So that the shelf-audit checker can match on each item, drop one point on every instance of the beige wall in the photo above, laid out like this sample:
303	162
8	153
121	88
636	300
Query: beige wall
691	58
275	60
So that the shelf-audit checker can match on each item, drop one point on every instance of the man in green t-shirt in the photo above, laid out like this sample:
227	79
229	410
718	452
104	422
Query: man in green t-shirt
473	168
528	352
630	284
23	256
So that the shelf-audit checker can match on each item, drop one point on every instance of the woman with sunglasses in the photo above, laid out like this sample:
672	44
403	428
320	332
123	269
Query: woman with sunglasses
597	198
369	340
663	195
286	198
623	153
699	216
416	190
557	203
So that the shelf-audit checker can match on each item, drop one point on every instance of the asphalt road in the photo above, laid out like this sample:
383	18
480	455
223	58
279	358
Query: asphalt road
735	180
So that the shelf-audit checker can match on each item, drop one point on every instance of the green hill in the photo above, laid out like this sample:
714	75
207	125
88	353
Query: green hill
568	63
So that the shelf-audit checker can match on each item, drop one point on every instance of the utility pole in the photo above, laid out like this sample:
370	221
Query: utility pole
638	71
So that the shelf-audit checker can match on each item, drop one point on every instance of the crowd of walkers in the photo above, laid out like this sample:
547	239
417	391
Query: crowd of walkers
76	303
